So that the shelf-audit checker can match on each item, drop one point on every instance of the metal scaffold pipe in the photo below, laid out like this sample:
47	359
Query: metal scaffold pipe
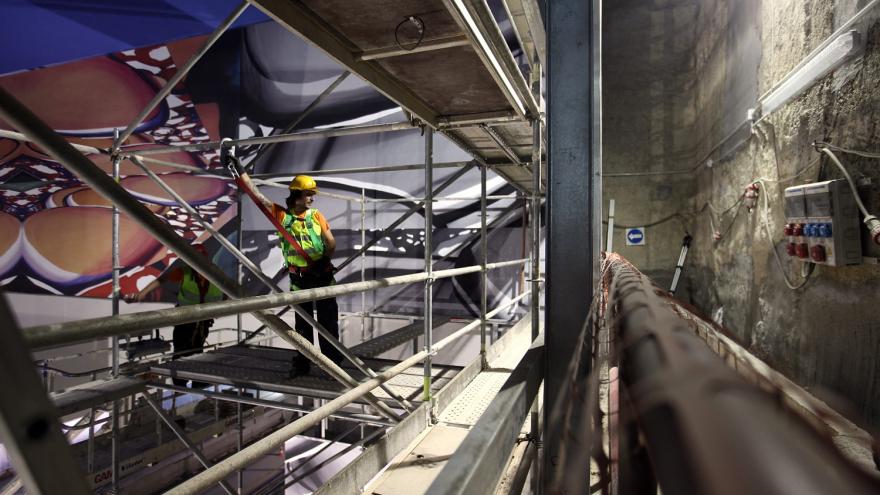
24	120
449	181
96	328
180	74
271	285
429	264
272	441
279	138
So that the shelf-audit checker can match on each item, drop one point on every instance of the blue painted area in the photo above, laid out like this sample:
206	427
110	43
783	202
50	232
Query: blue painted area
635	236
48	32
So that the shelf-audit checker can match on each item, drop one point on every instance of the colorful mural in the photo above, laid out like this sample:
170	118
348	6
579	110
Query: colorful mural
54	230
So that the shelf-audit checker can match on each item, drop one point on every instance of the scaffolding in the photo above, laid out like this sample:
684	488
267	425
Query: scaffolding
30	451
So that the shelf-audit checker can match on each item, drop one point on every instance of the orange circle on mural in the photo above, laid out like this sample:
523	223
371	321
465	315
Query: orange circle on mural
86	96
128	168
73	245
88	197
7	146
10	245
194	189
58	197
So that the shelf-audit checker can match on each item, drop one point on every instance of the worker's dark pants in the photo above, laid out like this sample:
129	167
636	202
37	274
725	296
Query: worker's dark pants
328	314
189	339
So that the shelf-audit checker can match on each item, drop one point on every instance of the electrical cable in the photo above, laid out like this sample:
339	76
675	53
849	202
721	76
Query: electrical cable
849	179
766	223
872	223
866	154
420	27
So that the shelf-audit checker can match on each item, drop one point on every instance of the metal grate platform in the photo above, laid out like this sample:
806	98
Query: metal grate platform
390	340
268	368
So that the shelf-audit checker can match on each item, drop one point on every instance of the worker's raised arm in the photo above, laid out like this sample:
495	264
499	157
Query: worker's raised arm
249	183
244	180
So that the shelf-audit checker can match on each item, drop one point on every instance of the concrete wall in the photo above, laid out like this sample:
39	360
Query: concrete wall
648	124
825	335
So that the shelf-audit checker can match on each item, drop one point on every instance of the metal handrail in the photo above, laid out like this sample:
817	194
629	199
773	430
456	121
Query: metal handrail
95	328
269	443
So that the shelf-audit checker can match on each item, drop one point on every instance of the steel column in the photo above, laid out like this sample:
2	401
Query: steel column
29	423
24	120
429	262
180	74
570	190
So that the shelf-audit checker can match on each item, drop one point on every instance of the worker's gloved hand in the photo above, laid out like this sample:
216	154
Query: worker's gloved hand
233	164
132	298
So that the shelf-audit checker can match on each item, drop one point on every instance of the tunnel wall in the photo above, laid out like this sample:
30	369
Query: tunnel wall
825	335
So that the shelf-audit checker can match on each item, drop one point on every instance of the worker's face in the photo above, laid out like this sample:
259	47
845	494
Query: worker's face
303	201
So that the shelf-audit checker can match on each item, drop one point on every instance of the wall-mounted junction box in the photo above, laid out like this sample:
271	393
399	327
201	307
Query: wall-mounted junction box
822	224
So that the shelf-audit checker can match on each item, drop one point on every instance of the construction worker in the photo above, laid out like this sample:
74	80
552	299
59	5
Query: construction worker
308	261
193	288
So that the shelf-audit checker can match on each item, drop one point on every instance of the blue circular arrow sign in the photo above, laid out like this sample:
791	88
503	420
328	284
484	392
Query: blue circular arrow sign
635	236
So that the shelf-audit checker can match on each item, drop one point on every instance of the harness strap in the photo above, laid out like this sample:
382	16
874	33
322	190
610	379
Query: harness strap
281	230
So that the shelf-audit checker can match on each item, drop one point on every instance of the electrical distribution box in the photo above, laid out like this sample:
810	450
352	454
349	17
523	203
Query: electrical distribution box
822	224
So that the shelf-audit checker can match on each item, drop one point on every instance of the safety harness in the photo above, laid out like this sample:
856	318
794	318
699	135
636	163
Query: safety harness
280	228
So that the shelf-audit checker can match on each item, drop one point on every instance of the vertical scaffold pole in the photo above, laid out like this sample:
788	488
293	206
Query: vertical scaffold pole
535	254
363	263
239	423
484	275
429	283
114	298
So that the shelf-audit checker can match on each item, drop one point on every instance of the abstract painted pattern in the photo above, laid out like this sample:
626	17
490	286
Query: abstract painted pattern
54	230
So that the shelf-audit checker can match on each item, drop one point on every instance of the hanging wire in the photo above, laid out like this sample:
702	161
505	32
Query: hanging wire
420	27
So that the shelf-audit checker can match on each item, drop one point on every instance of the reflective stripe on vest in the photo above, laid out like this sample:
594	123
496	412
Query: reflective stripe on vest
189	290
307	233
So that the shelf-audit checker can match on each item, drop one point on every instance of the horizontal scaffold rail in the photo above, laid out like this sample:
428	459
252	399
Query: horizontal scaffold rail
96	328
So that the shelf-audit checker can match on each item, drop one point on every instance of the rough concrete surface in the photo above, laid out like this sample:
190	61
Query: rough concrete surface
669	108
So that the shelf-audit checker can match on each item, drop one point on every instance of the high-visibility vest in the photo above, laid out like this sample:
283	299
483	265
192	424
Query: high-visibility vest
189	290
307	233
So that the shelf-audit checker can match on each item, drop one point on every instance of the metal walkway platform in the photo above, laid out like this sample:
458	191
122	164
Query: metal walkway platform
395	338
458	76
95	394
413	471
268	368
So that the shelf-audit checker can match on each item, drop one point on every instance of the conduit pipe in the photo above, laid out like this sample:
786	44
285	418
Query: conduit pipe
268	444
696	413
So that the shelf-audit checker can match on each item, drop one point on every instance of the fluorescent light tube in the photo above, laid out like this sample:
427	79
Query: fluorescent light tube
475	31
830	58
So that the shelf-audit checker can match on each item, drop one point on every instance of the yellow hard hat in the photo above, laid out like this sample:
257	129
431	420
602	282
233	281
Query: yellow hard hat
303	183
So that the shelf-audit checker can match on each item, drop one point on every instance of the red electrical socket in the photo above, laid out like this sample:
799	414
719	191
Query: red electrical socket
817	254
